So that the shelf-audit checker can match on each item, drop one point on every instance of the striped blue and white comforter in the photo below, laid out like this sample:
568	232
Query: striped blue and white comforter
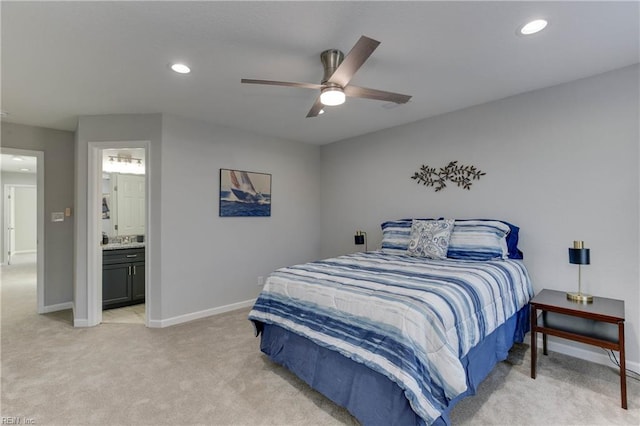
411	319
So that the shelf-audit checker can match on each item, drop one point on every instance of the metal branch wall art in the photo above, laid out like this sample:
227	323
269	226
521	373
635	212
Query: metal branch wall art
461	175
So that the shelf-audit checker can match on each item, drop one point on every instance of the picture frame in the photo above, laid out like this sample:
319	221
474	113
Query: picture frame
244	193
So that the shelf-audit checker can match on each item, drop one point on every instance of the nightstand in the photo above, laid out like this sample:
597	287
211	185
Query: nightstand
600	323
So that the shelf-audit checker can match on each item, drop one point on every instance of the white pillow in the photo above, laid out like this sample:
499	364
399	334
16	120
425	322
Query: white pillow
430	238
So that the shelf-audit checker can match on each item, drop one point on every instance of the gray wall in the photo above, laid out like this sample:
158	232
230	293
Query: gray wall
114	128
210	261
58	148
562	163
201	261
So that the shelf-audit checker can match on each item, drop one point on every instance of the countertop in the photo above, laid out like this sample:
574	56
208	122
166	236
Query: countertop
120	246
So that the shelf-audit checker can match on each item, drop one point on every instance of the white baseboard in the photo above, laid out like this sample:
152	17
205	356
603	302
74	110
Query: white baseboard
200	314
597	355
78	322
55	308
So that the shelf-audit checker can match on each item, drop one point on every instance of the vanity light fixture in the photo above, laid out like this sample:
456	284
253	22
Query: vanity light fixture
180	68
121	158
533	27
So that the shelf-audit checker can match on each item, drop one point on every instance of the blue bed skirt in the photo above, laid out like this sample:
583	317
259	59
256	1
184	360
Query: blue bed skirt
369	396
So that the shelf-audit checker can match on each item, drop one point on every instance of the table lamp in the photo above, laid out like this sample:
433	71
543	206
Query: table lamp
578	255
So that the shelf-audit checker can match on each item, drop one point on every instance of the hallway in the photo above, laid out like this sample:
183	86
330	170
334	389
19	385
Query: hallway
19	292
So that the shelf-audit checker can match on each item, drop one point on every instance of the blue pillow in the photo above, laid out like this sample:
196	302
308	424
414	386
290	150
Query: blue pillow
396	235
512	241
479	240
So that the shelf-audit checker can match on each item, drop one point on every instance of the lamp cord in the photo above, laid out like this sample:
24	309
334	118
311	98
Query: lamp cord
614	360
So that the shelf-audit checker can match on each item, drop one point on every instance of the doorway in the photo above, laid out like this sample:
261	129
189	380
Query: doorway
101	213
20	221
23	214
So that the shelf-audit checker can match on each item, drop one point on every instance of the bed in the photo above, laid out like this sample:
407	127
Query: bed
399	335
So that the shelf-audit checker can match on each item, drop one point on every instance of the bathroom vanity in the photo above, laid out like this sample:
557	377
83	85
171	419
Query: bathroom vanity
123	275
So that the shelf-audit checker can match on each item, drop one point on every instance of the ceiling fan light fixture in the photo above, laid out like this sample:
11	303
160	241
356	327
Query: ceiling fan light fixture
332	96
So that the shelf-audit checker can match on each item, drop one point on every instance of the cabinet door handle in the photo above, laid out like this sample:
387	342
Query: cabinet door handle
134	269
132	255
129	269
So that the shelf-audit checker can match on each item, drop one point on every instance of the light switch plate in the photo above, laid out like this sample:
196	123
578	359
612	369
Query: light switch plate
57	217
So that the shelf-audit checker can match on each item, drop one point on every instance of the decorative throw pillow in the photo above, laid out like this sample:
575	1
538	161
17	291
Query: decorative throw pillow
430	238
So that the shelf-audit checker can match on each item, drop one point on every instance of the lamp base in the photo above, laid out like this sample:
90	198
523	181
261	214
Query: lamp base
580	297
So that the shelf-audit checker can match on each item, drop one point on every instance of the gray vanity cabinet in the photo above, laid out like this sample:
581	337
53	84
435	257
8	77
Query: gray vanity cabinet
137	282
123	278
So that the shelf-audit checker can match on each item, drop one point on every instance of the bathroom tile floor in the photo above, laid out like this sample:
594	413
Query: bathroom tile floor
134	314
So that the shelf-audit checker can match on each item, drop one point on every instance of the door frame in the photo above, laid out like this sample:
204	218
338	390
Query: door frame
40	280
94	225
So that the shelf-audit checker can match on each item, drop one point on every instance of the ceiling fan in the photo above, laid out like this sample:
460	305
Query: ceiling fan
338	71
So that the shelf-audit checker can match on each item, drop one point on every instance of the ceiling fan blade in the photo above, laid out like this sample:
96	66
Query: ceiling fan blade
363	48
282	83
316	108
380	95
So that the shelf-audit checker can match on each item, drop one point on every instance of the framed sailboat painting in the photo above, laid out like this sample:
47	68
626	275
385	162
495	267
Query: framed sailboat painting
244	193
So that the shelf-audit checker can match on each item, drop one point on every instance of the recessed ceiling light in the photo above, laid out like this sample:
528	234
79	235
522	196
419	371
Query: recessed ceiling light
24	170
533	27
181	68
16	158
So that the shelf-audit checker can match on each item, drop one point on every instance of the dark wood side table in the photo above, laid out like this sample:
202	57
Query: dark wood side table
600	323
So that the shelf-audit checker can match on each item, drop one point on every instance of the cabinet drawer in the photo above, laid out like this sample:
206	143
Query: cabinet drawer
110	257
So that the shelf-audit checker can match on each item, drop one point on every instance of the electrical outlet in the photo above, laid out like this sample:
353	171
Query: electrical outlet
260	281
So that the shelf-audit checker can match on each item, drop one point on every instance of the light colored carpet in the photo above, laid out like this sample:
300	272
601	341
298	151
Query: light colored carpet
210	372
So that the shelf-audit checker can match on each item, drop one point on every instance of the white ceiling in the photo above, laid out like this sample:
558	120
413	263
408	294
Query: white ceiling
18	163
61	60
